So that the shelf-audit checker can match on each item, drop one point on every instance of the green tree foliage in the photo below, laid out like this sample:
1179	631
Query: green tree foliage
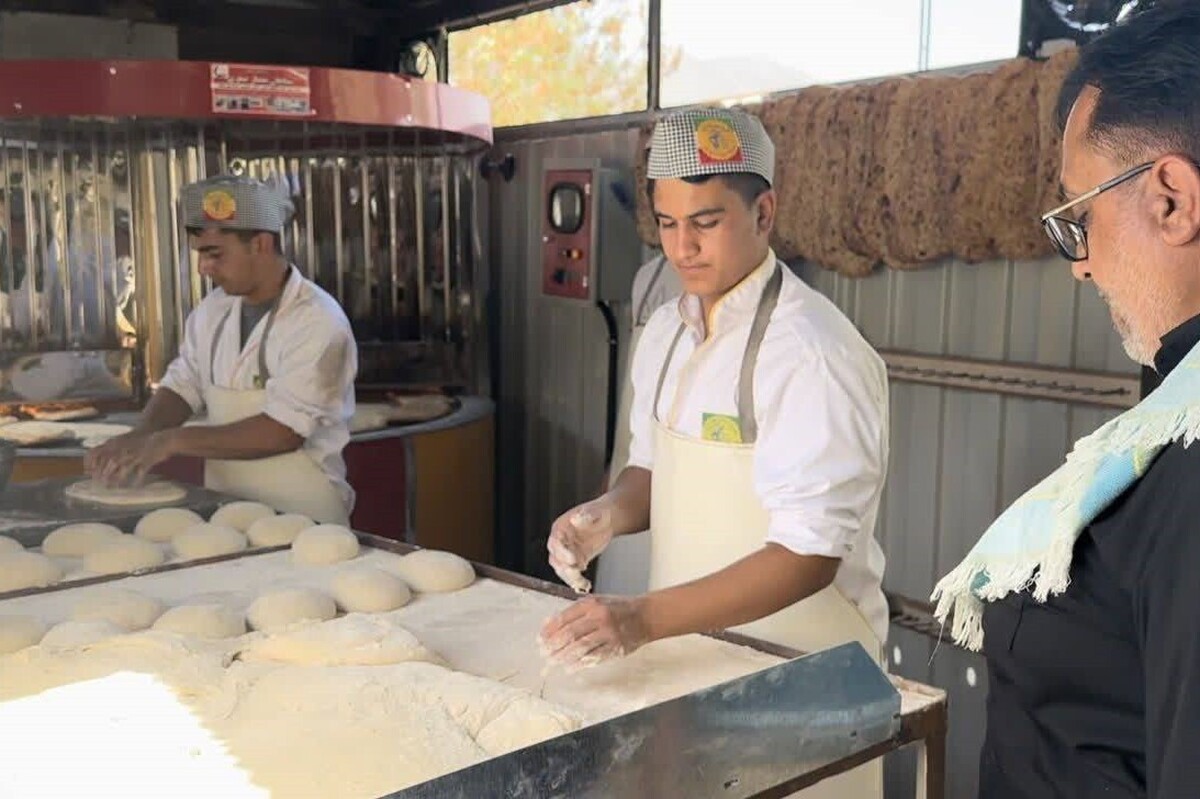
583	59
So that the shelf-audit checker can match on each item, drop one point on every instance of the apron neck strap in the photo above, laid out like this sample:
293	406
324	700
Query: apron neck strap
662	373
758	331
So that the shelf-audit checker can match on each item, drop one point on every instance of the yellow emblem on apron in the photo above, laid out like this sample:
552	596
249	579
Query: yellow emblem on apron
720	427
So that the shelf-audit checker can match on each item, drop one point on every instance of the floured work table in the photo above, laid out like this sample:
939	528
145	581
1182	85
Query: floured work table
697	716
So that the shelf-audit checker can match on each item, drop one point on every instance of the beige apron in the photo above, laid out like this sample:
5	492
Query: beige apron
705	515
289	483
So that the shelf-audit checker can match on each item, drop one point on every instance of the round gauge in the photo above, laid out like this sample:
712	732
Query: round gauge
566	207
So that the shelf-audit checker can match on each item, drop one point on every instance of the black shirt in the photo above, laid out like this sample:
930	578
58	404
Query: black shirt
1096	692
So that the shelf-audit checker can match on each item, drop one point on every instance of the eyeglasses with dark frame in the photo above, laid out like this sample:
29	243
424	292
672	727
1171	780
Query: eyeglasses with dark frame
1070	235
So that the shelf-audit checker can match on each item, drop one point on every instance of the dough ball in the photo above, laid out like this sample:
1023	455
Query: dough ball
430	571
280	609
20	570
207	540
240	515
324	543
355	640
369	590
127	555
165	523
8	545
80	540
73	634
276	531
126	609
19	632
210	621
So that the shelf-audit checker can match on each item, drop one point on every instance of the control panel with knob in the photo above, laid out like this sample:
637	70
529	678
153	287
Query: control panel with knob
589	244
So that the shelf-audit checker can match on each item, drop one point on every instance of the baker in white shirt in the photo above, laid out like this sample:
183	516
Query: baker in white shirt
759	431
268	357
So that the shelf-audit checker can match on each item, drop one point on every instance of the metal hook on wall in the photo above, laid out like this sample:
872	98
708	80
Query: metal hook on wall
506	167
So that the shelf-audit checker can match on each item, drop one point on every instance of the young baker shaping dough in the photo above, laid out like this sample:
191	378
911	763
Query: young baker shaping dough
268	355
759	435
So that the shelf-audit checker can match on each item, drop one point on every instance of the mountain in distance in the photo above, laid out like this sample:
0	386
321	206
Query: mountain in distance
699	80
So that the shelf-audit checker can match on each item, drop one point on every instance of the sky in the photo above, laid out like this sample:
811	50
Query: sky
738	49
836	40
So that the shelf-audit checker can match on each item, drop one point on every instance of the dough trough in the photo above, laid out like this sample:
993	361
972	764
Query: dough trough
717	715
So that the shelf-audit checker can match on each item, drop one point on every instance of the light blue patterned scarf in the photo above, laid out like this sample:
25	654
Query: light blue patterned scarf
1031	543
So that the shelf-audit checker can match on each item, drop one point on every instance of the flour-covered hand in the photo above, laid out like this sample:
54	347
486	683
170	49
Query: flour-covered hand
126	459
576	537
595	629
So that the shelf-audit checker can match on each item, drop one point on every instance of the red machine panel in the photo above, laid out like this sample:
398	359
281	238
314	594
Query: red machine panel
567	235
378	472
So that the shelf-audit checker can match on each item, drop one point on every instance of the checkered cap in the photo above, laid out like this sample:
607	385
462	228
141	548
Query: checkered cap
710	141
231	202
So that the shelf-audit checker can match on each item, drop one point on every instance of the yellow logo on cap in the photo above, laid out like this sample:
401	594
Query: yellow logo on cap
722	428
219	205
717	142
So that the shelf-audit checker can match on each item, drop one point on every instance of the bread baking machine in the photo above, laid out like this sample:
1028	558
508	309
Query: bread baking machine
95	266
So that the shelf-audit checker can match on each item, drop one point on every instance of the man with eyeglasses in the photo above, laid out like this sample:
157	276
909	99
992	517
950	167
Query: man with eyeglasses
1085	594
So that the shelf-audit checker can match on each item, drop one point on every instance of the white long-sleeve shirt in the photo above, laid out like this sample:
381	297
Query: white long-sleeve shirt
821	405
312	360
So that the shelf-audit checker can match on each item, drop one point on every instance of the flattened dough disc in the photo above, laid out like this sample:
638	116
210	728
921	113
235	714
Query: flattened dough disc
158	492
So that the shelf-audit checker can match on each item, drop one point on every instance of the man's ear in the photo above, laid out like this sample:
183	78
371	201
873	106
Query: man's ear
1175	186
767	205
262	243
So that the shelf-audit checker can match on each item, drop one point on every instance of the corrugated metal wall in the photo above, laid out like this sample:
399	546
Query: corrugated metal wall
958	457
